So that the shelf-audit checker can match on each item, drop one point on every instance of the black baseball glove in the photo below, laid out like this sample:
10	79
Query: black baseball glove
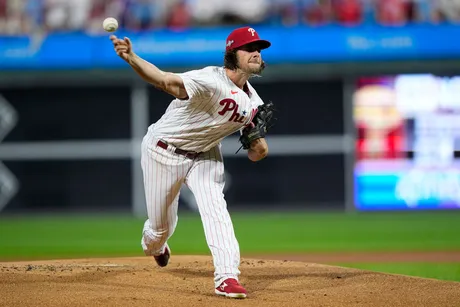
261	123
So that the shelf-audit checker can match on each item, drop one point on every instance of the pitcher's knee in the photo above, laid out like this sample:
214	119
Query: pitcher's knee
153	241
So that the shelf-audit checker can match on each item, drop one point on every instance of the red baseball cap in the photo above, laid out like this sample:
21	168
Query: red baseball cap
243	36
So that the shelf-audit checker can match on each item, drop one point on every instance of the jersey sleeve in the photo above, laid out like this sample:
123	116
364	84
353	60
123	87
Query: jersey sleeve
199	83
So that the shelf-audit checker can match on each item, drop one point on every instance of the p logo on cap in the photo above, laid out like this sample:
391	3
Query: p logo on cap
243	36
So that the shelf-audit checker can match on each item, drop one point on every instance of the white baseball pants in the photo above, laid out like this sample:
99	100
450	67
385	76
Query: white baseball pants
164	172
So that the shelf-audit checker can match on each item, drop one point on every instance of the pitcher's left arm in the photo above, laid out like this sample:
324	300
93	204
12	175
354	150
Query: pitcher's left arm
258	150
253	136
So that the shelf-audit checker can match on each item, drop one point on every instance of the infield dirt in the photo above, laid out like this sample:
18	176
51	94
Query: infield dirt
188	281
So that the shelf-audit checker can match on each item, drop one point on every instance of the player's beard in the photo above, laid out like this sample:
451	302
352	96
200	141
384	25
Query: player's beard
258	70
252	71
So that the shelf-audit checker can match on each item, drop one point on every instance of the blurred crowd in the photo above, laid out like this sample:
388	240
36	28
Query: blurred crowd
24	16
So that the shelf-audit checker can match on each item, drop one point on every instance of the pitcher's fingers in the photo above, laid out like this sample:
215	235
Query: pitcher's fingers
128	41
121	49
113	38
118	42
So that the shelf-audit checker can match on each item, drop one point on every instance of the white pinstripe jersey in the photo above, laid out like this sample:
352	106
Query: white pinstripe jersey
215	108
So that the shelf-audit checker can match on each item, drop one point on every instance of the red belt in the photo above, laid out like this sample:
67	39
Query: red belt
188	154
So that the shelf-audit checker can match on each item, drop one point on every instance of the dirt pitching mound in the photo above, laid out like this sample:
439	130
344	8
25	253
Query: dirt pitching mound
188	281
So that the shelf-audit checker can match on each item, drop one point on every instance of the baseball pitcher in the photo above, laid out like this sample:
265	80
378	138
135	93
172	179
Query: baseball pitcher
184	147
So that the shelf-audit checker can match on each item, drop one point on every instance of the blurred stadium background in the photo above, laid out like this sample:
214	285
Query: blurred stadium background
364	156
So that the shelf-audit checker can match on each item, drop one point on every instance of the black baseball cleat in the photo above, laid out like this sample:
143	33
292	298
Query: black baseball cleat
163	259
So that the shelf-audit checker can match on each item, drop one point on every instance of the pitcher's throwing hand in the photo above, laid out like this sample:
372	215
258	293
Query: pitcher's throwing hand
123	47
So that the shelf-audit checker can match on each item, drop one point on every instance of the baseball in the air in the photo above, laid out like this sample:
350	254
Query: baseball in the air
110	24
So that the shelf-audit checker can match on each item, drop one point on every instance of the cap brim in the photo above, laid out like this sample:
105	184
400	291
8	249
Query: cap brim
264	44
261	42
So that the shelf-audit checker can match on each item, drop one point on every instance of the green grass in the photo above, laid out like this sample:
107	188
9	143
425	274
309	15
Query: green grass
54	237
79	236
354	232
443	271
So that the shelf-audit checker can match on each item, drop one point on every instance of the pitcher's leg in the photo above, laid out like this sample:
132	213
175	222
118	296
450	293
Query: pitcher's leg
155	236
164	173
206	180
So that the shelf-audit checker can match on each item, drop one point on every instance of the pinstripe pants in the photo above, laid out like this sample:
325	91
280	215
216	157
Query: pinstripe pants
164	173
